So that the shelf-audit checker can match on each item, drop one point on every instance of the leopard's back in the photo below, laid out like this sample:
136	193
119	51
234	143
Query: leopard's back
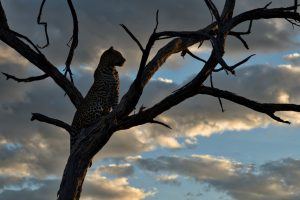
103	94
97	102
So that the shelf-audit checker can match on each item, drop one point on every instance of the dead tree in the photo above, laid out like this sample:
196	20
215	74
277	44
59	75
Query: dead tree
92	139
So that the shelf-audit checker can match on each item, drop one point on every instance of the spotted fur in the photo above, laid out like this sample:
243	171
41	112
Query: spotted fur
104	93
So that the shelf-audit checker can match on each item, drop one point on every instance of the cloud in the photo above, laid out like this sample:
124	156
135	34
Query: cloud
168	179
95	187
201	115
99	29
200	167
8	55
41	150
165	80
262	83
293	58
40	143
273	180
14	92
120	170
98	186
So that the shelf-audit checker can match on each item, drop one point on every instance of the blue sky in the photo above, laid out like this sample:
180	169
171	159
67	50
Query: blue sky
235	155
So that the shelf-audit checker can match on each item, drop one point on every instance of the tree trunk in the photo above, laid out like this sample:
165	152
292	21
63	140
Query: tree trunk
90	143
74	174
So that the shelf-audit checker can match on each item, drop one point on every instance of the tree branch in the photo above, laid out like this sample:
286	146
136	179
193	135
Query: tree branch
156	21
42	63
39	60
185	92
74	40
187	51
238	35
133	37
43	24
160	123
3	19
27	40
96	136
264	13
233	67
228	10
213	9
212	86
29	79
130	99
243	33
266	108
52	121
172	100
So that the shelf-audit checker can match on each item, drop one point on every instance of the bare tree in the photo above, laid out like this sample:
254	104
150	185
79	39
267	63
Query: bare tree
92	139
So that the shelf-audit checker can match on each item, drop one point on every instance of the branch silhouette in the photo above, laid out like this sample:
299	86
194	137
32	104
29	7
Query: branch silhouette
90	140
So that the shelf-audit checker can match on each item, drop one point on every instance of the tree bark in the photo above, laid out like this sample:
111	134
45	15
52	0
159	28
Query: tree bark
89	143
74	174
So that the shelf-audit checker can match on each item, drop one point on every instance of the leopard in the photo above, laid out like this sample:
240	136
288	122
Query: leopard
103	95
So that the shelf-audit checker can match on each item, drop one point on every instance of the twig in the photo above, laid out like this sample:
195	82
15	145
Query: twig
238	35
187	51
15	41
147	50
156	20
212	86
27	40
142	108
29	79
233	67
243	33
200	43
267	5
267	108
44	24
242	40
133	37
56	122
74	41
292	23
160	123
70	40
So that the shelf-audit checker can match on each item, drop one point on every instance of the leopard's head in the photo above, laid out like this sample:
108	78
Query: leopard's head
112	58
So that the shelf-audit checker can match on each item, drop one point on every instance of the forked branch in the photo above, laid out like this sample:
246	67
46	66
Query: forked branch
12	39
152	39
233	67
172	100
238	35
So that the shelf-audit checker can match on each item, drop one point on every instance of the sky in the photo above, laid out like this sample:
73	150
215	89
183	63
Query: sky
235	155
